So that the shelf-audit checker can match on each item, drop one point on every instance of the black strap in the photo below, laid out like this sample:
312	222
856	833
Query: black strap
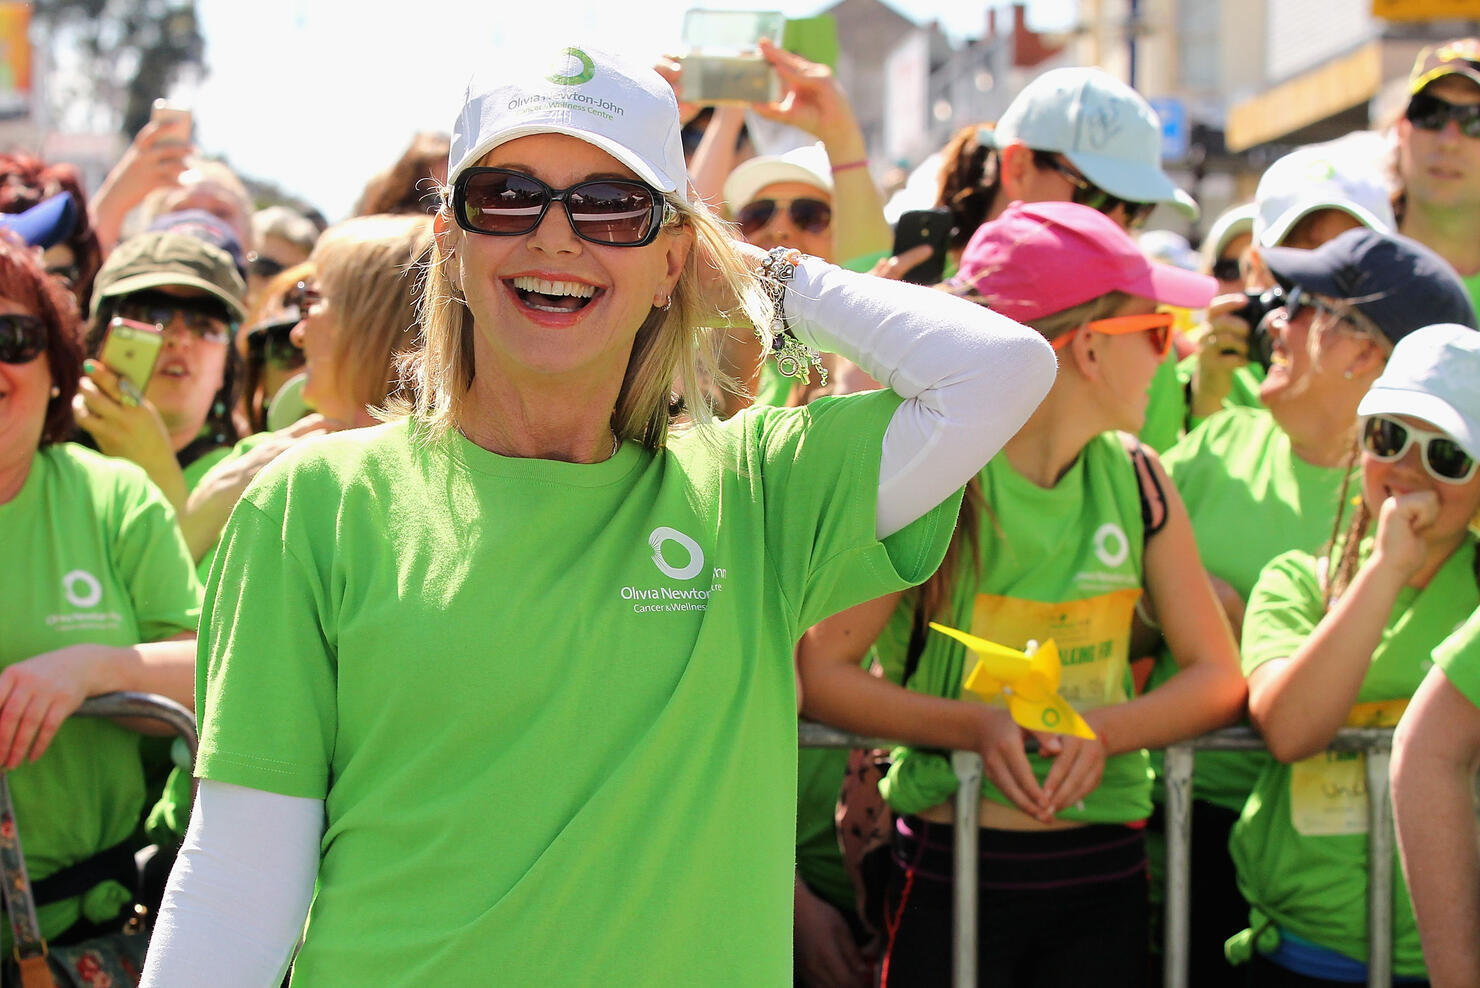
1148	486
919	629
116	863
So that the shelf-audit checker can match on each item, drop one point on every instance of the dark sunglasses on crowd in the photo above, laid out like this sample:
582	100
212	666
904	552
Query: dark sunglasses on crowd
1297	300
205	317
67	274
1388	439
272	343
1432	113
22	338
808	215
263	267
612	212
1086	193
1227	269
303	297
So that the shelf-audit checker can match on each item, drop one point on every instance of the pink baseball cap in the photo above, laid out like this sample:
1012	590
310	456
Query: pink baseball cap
1044	257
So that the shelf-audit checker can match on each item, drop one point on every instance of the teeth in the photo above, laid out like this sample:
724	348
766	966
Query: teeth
554	288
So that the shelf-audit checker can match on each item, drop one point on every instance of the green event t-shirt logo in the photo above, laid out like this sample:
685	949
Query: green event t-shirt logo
588	69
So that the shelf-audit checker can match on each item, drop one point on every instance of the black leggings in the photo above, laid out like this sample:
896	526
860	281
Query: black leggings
1057	908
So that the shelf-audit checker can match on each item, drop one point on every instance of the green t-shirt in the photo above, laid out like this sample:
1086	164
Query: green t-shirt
820	774
1472	285
1301	844
1459	657
545	703
202	464
94	556
1250	498
1061	563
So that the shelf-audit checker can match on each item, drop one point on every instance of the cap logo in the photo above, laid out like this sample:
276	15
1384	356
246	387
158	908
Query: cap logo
1103	124
1320	170
1465	49
587	69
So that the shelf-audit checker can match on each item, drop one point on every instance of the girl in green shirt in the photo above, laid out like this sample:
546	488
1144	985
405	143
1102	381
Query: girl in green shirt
1344	640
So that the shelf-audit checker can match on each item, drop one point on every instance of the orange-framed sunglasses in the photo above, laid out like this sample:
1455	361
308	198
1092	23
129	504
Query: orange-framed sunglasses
1158	324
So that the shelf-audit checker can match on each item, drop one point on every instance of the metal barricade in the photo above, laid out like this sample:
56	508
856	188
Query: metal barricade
147	705
1377	744
968	768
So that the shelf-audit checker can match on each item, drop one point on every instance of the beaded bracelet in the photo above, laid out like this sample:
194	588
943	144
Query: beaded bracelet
793	357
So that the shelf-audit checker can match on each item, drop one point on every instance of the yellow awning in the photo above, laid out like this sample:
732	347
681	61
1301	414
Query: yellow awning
1317	94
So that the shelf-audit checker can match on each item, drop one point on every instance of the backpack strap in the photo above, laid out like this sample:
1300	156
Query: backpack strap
1148	486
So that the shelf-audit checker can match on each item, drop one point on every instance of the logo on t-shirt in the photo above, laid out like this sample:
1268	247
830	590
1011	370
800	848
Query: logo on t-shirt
690	569
1111	545
82	589
678	557
84	592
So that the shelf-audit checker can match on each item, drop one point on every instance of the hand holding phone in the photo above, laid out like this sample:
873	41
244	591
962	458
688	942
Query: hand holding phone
177	118
130	350
924	227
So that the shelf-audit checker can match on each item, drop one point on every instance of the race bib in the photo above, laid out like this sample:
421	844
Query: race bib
1328	791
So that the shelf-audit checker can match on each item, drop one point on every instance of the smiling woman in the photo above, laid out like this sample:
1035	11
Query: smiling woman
440	705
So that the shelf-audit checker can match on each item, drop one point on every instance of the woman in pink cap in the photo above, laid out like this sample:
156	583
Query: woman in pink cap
1064	536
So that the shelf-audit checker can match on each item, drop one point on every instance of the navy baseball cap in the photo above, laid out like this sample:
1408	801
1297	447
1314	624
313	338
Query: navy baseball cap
46	224
205	226
1398	283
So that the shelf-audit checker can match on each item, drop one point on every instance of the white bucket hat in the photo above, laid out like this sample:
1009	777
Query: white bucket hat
1104	127
1320	176
620	106
808	165
1431	375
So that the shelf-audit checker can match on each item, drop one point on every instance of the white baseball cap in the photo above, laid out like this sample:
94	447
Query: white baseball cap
1320	176
1104	127
1431	375
620	106
808	165
1231	223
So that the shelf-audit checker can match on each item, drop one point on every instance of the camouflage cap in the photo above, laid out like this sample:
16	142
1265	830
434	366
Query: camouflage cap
163	259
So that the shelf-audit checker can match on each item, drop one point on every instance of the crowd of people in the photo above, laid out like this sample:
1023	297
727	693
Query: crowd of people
499	535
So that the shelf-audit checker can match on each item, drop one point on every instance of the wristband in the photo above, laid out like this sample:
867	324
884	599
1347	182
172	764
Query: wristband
860	163
793	358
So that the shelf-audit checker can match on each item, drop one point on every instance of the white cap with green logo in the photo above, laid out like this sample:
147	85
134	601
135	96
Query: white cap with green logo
620	106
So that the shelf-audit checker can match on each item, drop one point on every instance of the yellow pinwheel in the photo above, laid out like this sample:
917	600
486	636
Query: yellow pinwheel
1028	681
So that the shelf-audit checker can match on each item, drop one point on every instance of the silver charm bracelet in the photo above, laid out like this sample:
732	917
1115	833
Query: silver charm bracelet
793	357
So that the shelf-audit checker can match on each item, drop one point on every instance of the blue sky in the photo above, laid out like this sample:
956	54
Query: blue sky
317	96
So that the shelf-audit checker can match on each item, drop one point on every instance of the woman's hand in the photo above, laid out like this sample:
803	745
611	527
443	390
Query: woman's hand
896	267
1400	525
1078	765
123	422
1005	762
669	68
154	159
1222	348
811	98
825	952
37	694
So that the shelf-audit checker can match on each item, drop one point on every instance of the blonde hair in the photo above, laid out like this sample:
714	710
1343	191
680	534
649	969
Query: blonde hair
673	346
366	268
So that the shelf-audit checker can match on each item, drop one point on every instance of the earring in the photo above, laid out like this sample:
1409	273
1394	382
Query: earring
56	391
1347	374
668	303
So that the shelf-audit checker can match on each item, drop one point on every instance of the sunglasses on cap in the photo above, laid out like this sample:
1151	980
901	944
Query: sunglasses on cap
1387	439
1297	300
1428	112
205	317
1086	193
1158	324
22	338
273	343
612	212
808	215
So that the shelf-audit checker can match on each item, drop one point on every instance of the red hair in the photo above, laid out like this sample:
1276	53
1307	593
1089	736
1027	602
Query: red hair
25	181
25	282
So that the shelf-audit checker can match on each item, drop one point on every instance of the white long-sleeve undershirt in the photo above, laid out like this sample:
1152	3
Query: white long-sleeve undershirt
240	891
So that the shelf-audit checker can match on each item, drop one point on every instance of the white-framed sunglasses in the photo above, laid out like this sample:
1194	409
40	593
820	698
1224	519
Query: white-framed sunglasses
1387	439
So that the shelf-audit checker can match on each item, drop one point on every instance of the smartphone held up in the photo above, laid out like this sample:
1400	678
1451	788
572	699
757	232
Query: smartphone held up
722	63
920	227
131	350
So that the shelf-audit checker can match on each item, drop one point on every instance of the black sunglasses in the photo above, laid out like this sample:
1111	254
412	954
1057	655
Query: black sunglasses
1227	269
810	215
1432	113
1445	460
22	338
205	317
273	343
263	267
1297	300
612	212
1086	193
303	297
